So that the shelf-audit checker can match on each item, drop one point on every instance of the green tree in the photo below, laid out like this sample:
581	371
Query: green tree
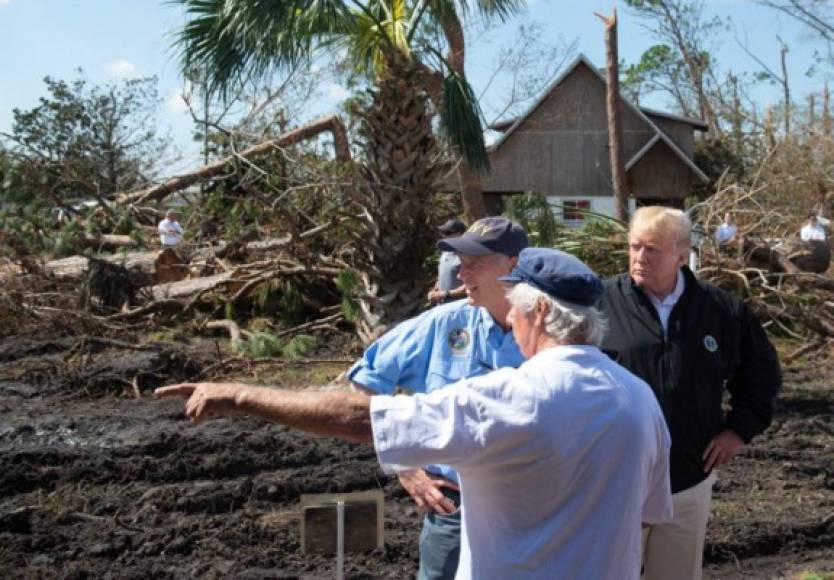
681	64
84	140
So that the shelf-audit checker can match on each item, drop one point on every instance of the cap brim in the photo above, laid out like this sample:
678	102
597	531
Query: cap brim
463	246
511	279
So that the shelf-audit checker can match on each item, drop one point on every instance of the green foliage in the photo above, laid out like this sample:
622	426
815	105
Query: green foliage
298	346
535	214
82	140
645	76
347	285
816	575
281	298
602	244
265	344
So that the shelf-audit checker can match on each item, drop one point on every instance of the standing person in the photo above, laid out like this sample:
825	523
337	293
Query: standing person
560	460
726	232
448	285
170	230
812	231
688	339
453	341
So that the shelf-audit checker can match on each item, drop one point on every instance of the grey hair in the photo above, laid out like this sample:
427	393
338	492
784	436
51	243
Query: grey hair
566	322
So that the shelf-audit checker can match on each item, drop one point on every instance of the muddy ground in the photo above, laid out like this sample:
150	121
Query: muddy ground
97	483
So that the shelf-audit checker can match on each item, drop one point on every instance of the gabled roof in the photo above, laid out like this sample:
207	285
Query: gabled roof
696	123
658	138
659	134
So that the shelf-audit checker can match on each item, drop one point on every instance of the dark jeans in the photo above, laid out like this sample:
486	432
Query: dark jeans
440	544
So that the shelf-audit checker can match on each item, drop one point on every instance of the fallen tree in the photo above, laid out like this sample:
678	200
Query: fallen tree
331	124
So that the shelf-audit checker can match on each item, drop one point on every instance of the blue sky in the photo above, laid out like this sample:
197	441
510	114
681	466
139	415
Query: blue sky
113	39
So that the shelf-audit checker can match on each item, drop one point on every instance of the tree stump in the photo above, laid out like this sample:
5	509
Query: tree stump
169	267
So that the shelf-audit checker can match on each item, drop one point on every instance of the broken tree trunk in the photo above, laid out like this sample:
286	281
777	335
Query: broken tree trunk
615	130
107	241
76	266
157	192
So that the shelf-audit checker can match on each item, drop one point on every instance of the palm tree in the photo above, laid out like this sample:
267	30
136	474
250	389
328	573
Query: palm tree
234	40
238	39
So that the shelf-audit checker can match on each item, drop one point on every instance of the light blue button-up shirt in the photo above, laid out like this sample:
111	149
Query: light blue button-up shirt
441	346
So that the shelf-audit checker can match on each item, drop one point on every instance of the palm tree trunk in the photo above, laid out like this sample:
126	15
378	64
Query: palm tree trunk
395	198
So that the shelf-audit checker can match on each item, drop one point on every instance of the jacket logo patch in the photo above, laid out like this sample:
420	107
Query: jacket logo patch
458	340
710	343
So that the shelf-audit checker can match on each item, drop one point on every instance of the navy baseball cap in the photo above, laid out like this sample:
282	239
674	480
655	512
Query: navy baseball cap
491	235
558	274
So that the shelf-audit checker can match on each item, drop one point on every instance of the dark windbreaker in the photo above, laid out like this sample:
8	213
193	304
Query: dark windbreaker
713	341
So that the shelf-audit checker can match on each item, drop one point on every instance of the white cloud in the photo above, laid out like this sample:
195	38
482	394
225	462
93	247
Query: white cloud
337	92
123	69
4	2
174	102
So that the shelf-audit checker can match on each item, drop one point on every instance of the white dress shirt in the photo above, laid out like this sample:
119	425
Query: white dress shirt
664	307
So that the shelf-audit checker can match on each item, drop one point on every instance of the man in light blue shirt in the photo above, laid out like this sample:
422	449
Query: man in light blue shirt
454	341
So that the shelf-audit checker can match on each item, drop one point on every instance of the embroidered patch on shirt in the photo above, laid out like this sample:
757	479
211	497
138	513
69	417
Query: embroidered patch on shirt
459	340
710	343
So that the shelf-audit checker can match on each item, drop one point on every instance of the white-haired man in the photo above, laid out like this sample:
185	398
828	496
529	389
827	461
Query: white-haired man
688	340
560	460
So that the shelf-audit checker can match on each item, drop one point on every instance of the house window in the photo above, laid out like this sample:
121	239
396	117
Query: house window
574	210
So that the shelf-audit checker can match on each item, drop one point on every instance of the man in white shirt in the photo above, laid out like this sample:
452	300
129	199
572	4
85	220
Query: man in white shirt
170	230
812	231
560	460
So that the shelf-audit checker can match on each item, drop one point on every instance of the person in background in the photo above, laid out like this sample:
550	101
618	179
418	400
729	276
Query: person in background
812	231
448	286
725	234
170	230
560	460
690	341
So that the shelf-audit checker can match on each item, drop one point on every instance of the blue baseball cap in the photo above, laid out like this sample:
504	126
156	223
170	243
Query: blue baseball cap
491	235
558	274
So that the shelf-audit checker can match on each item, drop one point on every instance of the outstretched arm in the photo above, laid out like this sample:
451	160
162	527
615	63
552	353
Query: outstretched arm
333	413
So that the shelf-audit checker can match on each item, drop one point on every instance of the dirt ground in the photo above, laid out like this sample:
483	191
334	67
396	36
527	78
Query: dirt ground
97	483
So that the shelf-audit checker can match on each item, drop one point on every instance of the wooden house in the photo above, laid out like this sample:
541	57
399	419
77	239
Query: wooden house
559	148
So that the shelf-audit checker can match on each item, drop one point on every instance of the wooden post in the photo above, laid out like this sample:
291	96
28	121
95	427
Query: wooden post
615	130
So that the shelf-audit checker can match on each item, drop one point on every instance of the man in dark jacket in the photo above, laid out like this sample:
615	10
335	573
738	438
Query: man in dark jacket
688	340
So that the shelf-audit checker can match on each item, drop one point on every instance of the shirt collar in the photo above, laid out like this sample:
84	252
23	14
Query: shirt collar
672	298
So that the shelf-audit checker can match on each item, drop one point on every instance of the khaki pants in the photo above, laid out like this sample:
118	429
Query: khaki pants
675	550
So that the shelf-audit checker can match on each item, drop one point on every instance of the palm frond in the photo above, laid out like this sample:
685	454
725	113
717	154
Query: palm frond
232	40
460	121
501	9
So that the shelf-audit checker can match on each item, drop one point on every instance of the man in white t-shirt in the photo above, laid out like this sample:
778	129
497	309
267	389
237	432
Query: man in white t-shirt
560	460
170	230
812	231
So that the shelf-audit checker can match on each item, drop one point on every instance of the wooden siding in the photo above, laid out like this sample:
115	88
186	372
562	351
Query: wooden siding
678	131
660	174
561	148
